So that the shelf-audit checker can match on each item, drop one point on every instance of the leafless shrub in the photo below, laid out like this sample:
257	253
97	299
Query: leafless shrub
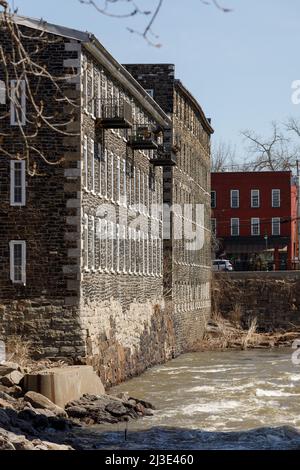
18	350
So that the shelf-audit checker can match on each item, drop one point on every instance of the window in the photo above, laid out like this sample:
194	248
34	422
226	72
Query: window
100	243
85	162
86	243
105	174
2	92
17	183
235	198
18	261
124	183
214	227
276	226
150	92
255	227
18	103
124	249
100	158
92	240
85	87
105	236
92	143
129	251
235	227
112	250
118	181
112	176
213	199
255	198
276	198
93	92
139	190
118	236
98	104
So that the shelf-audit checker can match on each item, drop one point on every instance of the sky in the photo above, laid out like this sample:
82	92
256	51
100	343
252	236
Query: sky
239	65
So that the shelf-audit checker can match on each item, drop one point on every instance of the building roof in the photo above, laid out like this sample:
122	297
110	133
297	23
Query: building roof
93	45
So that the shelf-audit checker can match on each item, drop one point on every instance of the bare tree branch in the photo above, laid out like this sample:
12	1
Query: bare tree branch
273	153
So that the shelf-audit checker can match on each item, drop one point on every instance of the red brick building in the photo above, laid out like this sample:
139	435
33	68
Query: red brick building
254	216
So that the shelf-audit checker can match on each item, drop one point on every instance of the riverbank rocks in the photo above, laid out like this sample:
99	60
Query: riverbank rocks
93	409
40	401
11	441
29	420
12	379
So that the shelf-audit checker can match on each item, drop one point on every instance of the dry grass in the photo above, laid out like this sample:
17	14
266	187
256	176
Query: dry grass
251	337
18	350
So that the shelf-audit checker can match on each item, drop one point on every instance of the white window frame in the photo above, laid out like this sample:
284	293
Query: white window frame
106	231
140	249
106	174
17	107
99	94
112	246
118	181
139	190
85	162
124	248
213	199
112	176
277	221
13	187
133	201
232	192
129	250
100	247
92	154
86	243
93	92
124	184
276	191
232	226
255	195
2	92
255	222
85	86
92	224
118	247
100	169
12	245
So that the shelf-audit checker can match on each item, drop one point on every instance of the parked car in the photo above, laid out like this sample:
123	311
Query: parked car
222	265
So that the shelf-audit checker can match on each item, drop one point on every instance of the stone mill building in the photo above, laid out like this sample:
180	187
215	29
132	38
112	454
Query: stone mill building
86	270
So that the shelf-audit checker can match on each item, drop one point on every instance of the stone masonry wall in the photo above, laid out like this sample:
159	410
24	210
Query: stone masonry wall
273	300
43	309
187	273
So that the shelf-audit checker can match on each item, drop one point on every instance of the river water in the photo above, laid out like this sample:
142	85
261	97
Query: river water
215	400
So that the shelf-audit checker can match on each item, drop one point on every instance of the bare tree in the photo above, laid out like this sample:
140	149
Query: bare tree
21	66
274	153
23	74
223	156
107	8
